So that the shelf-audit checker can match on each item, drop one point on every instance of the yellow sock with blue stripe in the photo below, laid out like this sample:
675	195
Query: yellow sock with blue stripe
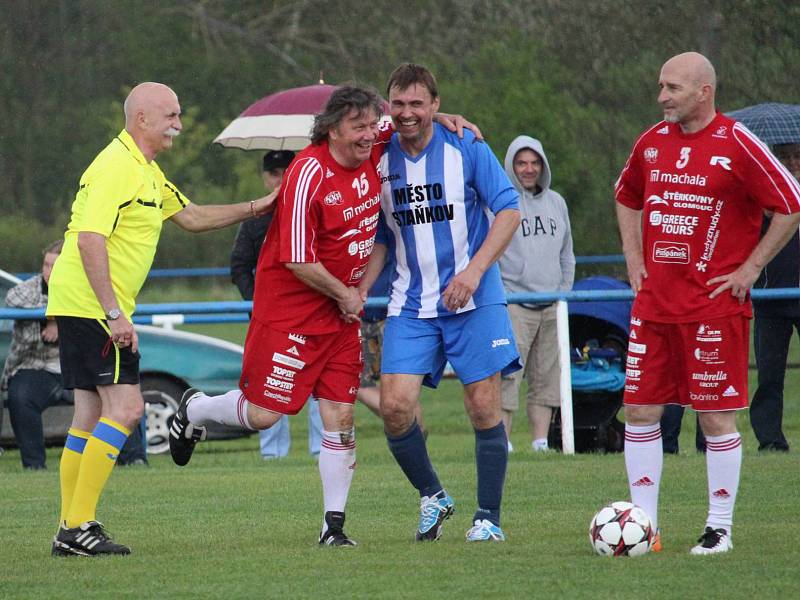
70	466
99	457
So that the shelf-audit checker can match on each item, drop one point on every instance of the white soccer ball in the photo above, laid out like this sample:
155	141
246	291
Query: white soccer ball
621	529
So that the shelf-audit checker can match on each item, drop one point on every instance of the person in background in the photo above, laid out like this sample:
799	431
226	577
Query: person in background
671	430
773	325
32	372
275	441
538	259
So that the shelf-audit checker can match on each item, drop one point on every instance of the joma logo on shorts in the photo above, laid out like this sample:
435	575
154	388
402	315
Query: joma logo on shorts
500	342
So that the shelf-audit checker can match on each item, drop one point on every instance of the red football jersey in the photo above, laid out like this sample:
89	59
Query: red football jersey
324	213
702	196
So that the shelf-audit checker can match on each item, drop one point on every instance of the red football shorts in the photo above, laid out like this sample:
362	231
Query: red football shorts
702	364
280	370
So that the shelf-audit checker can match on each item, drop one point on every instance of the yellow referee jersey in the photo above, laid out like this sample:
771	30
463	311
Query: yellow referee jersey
126	199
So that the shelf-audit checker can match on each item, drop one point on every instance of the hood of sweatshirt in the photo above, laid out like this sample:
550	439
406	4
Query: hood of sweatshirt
521	142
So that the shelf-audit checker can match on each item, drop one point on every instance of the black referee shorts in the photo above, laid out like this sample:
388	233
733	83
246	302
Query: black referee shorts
89	358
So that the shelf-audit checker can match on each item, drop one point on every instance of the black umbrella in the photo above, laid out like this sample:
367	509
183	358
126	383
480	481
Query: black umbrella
771	122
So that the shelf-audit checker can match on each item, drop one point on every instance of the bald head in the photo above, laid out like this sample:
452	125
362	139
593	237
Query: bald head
688	85
144	96
152	117
695	67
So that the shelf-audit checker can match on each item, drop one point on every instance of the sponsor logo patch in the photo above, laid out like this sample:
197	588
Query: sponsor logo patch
655	199
709	357
279	384
362	248
722	161
657	175
671	252
708	334
357	273
703	397
333	198
289	361
283	373
637	348
279	397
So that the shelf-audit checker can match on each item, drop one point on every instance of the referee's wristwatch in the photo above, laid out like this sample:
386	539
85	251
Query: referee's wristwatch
113	314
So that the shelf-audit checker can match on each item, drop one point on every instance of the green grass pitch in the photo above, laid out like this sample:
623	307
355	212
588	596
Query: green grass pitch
230	525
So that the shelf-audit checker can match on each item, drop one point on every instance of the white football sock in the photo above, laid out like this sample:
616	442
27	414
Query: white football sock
228	409
337	461
724	463
540	445
644	459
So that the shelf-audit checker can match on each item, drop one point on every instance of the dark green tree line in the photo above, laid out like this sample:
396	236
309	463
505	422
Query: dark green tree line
581	76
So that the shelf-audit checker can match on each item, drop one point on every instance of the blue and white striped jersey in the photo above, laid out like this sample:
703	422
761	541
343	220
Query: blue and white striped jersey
436	210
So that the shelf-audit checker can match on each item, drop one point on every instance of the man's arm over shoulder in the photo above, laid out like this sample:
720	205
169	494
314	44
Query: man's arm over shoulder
489	179
207	217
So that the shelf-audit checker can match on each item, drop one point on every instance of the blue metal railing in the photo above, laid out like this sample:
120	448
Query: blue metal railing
226	271
236	311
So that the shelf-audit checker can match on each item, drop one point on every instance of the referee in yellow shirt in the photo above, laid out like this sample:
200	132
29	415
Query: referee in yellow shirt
109	246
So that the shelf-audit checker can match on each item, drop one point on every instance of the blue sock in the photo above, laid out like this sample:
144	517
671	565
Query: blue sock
491	459
411	454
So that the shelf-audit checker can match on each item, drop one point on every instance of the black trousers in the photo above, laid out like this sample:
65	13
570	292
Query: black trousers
671	430
771	341
30	393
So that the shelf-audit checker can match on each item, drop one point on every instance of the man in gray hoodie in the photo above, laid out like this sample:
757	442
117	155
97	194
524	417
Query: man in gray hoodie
538	259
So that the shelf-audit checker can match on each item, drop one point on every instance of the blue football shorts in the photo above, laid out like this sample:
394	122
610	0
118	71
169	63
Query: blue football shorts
477	343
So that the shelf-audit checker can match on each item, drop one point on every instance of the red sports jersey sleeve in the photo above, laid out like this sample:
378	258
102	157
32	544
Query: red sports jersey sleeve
702	197
767	181
298	194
